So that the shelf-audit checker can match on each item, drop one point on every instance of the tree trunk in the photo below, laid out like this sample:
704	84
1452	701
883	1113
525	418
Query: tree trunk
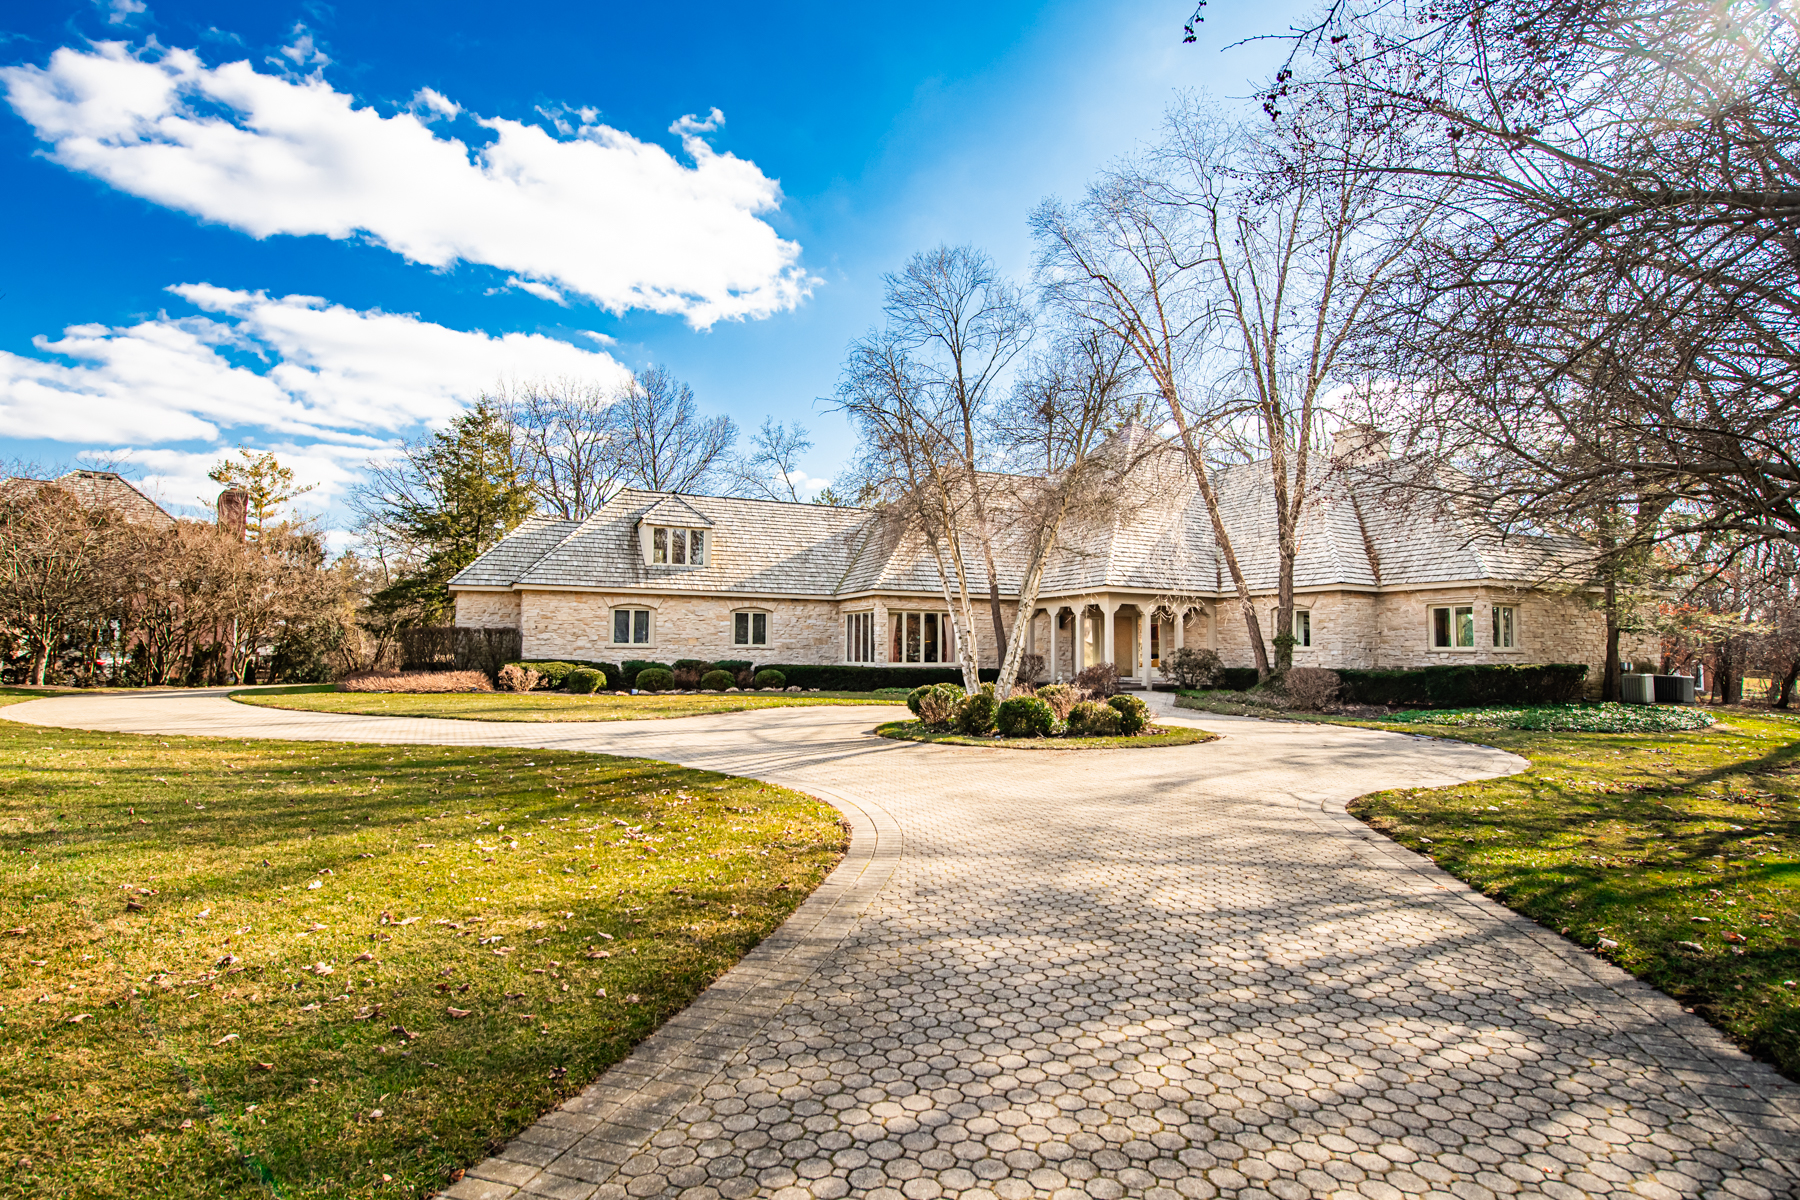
1609	680
39	662
1787	684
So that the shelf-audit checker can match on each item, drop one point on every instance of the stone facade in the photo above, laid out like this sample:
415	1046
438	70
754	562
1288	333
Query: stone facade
487	610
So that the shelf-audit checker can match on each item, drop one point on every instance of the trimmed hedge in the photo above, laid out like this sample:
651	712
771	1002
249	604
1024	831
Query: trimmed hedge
1236	679
734	665
1134	714
555	671
852	678
769	677
1470	686
976	715
655	679
1025	716
718	681
584	681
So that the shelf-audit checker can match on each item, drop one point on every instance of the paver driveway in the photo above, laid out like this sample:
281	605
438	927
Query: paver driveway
1159	974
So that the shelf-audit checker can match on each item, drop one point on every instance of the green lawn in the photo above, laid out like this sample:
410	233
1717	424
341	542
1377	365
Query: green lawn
543	706
241	968
1155	735
1680	850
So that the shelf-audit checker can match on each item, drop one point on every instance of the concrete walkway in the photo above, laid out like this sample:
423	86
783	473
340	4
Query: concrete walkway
1155	973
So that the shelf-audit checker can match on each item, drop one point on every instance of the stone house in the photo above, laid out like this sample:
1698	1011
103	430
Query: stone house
1379	583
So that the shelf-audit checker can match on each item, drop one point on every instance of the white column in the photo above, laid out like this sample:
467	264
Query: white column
1180	640
1055	666
1078	659
1145	616
1108	653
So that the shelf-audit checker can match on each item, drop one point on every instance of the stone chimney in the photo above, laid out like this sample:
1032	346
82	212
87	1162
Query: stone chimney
234	511
1358	445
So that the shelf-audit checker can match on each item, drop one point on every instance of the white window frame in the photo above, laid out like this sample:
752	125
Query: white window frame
1458	611
663	542
749	618
946	636
1302	628
648	624
1506	629
859	636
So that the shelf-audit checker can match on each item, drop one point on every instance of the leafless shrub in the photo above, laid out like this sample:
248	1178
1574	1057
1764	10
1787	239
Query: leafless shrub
1031	669
687	678
937	708
1100	680
514	678
1061	698
1311	688
1191	668
419	682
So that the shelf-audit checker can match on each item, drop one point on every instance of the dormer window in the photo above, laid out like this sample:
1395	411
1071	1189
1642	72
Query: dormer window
677	547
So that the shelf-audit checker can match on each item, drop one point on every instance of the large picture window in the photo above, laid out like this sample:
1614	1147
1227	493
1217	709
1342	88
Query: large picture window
750	628
921	637
1453	627
631	627
859	637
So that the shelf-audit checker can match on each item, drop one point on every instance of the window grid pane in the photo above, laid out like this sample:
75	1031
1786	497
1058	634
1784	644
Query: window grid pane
759	629
1440	628
697	547
678	546
741	628
1465	627
640	626
659	541
621	627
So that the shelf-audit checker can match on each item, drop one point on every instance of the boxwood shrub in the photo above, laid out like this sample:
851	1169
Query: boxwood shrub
1091	718
630	668
655	679
975	716
718	681
1134	714
769	677
1025	716
584	680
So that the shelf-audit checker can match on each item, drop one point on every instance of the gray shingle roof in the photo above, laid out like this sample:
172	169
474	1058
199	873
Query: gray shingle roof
97	489
1355	532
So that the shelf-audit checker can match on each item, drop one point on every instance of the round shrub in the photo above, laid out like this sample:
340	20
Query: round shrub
939	705
975	716
1134	714
718	681
769	677
583	681
655	679
1025	716
913	697
1091	718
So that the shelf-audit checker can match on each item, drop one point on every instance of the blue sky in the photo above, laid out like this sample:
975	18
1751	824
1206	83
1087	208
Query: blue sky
320	228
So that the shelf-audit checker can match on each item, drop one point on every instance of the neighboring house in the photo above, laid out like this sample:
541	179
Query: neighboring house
96	489
1378	583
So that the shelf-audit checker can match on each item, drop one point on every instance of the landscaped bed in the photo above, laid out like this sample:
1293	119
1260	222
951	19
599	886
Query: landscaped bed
544	706
254	968
1154	735
1675	855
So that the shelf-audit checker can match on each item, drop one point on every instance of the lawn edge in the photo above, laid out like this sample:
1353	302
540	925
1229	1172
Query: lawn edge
892	731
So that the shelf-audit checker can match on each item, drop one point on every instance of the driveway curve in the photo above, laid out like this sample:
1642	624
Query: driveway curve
1159	974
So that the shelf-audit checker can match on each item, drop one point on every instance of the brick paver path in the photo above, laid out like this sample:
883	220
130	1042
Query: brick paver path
1156	974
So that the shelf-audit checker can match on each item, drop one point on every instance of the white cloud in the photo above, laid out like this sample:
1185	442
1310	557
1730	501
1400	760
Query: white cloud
294	365
542	291
689	125
594	211
435	103
118	12
303	51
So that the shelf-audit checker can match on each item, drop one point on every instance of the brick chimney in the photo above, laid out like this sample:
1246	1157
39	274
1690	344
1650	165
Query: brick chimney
1358	445
234	511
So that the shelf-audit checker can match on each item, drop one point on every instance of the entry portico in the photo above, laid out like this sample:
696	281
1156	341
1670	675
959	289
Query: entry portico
1131	631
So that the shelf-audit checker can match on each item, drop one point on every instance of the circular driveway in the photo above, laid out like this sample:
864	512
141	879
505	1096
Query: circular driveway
1167	973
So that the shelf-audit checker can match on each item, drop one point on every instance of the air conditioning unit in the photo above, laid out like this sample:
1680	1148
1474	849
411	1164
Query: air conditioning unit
1637	689
1674	689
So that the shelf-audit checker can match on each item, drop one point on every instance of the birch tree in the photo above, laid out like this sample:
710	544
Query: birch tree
1054	429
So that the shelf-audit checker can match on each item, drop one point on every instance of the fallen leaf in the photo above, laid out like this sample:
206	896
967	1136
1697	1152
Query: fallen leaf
188	1124
317	883
632	999
375	1114
1606	944
401	1031
601	992
458	1013
230	1037
309	1007
265	1066
79	1018
365	956
21	931
320	969
229	960
1736	937
1695	946
411	921
598	954
133	906
526	1016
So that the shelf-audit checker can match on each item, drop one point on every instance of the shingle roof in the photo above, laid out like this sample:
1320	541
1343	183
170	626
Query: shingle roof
1158	537
97	489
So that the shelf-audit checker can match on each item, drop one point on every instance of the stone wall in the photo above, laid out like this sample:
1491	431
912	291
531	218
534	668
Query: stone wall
487	610
579	625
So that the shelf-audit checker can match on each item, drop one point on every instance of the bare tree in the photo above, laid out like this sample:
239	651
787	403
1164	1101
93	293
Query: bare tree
769	470
59	564
662	442
962	326
1131	263
1054	428
567	442
909	452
